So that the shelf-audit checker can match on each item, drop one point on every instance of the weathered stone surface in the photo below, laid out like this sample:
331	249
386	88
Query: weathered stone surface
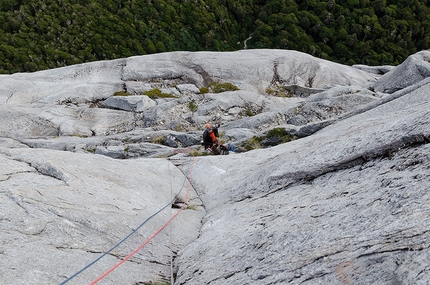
225	108
240	134
414	69
78	84
345	202
61	210
137	87
188	89
332	103
347	205
135	150
129	103
374	69
67	100
100	122
10	143
265	66
22	122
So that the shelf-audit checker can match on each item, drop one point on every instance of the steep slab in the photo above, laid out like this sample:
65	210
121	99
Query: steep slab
348	205
62	210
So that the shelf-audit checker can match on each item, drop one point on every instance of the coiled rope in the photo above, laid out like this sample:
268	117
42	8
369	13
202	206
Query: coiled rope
135	230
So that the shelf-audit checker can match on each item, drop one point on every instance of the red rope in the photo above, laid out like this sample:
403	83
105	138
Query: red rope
151	237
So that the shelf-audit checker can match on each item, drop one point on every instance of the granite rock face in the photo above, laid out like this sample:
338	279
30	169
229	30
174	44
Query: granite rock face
414	69
346	201
347	205
62	210
80	101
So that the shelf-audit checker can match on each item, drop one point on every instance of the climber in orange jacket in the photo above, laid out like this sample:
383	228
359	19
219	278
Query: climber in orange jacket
210	138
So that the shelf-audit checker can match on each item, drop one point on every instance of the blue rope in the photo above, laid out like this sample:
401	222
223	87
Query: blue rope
129	235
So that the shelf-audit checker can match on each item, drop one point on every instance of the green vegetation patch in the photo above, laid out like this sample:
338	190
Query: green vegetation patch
249	113
192	106
159	140
198	153
253	143
179	128
251	110
218	87
279	92
37	35
121	93
192	207
158	283
157	94
204	90
279	135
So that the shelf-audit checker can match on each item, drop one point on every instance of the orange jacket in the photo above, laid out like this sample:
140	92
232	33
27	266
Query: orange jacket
213	137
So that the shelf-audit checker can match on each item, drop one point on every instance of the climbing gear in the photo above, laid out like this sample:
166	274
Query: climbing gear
224	149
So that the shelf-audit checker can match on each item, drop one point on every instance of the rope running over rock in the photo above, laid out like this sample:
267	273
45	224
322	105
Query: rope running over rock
135	230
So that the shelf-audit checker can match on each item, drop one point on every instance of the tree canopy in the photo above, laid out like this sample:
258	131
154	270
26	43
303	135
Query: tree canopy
45	34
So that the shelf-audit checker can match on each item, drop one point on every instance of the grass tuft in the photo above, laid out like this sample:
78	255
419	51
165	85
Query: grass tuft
157	94
255	142
159	140
121	93
204	90
192	106
281	92
198	153
218	87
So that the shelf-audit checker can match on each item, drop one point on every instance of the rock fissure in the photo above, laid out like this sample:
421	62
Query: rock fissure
117	255
44	168
158	263
11	174
49	170
17	201
225	277
33	233
197	68
401	249
276	79
85	222
315	276
9	97
383	152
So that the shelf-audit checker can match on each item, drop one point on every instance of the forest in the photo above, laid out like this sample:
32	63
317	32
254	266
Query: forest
45	34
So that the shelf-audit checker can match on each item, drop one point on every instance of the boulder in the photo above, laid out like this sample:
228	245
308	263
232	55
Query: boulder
414	69
188	89
24	122
129	103
331	104
381	70
137	87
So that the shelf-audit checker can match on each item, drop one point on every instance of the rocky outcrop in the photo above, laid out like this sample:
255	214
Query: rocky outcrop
345	201
343	206
375	69
80	101
62	210
414	69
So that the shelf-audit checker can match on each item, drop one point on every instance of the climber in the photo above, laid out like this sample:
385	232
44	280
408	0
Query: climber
210	138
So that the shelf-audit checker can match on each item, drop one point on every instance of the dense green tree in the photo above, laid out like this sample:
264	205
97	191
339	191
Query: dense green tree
41	34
